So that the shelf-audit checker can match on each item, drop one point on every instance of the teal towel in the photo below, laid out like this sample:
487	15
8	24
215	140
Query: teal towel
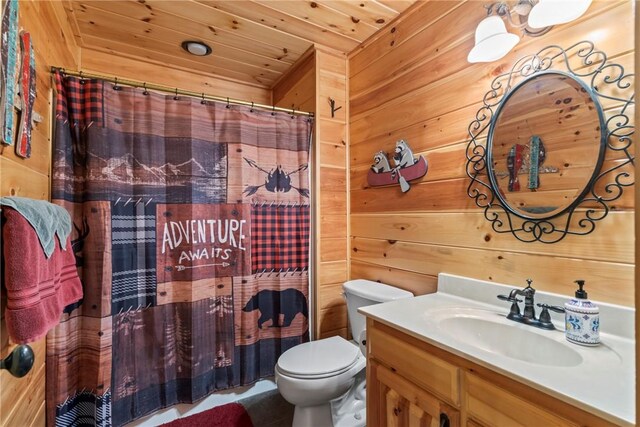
47	219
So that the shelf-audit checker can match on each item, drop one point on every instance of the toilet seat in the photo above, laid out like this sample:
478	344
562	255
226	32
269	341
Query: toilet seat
319	359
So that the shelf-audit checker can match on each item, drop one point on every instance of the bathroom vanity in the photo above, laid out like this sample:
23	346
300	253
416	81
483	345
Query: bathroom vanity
452	358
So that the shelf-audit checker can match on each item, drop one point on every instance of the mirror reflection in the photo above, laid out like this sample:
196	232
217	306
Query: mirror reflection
545	145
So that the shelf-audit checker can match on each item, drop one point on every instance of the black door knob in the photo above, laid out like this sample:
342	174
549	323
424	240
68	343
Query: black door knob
19	362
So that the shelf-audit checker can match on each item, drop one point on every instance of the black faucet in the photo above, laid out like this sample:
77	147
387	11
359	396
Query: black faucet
529	315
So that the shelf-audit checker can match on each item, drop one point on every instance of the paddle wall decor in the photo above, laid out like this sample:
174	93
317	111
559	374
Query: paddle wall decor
406	168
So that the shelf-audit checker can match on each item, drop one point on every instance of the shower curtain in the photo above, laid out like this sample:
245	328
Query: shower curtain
191	235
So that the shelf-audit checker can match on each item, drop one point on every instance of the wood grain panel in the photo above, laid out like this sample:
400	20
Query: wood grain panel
471	230
428	96
404	56
438	133
112	28
40	160
331	296
204	23
332	154
611	282
332	319
167	74
333	201
397	5
40	418
22	400
334	249
141	53
399	103
330	273
25	409
497	407
266	36
394	35
276	20
298	89
318	13
369	12
333	225
368	91
15	390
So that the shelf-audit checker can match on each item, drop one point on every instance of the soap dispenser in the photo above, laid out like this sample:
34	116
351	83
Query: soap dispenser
582	319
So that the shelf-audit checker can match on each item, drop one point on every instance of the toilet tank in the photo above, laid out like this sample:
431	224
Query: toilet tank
360	293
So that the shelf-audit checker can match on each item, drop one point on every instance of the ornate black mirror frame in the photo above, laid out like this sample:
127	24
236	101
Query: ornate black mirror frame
603	80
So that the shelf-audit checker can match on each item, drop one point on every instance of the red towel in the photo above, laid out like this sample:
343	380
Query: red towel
38	289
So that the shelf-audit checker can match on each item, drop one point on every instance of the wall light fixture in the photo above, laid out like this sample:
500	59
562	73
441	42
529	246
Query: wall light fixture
533	17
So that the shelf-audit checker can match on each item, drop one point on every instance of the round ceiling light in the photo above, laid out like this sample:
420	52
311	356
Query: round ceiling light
196	48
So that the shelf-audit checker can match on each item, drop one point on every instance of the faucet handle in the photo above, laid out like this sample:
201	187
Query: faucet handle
514	311
545	318
554	308
509	298
529	282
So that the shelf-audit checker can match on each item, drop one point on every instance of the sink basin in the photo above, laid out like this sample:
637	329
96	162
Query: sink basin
510	341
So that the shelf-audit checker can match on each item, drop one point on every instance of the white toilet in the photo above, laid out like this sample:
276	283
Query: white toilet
313	374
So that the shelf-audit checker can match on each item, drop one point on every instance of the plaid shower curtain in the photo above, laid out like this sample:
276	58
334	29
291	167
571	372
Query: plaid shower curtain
191	239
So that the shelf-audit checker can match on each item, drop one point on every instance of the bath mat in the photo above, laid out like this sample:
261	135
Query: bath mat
229	415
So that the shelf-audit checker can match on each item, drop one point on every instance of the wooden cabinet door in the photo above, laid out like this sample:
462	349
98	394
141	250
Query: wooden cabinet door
397	402
494	406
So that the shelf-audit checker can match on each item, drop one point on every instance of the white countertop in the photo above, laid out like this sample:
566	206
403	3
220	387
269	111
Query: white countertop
602	384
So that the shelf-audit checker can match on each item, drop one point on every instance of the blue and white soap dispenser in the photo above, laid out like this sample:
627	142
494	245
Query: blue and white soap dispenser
582	319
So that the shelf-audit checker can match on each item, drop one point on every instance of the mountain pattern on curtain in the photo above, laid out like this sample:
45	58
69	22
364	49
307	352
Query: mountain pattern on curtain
191	235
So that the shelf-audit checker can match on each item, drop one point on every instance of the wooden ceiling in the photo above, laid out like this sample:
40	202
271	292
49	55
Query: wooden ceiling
253	41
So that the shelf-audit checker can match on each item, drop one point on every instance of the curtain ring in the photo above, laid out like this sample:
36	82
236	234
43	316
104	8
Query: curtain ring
204	101
176	97
273	110
228	106
293	113
115	84
251	109
82	81
145	92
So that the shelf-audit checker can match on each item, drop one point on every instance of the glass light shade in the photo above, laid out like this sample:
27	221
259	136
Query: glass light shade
553	12
197	49
492	41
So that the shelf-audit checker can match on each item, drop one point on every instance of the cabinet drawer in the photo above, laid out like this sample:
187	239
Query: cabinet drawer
434	374
494	406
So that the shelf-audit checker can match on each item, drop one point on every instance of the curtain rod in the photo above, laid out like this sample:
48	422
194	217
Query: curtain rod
176	91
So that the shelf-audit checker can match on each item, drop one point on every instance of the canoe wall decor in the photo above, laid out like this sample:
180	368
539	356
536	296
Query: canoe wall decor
407	167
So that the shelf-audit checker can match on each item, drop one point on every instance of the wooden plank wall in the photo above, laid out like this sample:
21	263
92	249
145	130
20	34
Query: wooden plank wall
413	82
332	182
140	68
22	399
319	76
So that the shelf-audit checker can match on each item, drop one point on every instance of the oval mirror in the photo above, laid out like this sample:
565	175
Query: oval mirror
544	158
546	145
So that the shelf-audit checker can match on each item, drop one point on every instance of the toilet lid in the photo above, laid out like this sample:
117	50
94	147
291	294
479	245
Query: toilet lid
316	359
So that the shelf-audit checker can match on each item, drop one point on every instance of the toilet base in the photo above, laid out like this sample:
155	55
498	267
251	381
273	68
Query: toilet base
350	410
313	416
